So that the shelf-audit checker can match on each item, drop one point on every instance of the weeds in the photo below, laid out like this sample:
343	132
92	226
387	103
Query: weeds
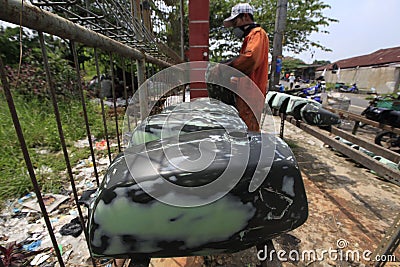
41	135
13	254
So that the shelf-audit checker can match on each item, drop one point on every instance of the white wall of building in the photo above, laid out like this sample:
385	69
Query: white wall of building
383	79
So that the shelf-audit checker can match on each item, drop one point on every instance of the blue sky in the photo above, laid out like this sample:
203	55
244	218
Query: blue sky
364	26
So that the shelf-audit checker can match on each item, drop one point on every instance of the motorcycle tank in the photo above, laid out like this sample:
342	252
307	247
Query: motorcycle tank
279	99
126	218
316	115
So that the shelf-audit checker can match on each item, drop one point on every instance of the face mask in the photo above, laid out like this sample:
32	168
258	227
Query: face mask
238	32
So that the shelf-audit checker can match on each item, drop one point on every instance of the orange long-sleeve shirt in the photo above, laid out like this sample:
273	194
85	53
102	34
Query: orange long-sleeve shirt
252	61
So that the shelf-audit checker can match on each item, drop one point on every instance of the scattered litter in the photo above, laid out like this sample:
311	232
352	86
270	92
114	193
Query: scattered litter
83	143
50	201
39	259
21	220
85	163
73	228
120	102
24	198
45	169
43	152
103	161
66	255
34	246
101	145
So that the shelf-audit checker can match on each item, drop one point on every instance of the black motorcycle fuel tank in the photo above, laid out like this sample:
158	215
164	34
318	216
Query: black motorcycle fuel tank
151	205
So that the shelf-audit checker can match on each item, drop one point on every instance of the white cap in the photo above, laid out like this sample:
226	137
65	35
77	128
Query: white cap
236	10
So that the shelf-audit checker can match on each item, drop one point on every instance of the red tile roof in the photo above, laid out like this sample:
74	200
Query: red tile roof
380	57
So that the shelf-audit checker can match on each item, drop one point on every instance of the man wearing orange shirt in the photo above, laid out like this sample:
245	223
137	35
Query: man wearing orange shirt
252	61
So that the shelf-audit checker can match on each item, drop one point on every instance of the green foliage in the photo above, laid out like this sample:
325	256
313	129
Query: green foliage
14	256
29	77
169	18
303	18
290	64
222	42
321	62
36	115
41	135
330	87
9	47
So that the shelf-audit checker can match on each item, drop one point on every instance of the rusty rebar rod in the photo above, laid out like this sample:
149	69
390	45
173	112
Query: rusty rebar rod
84	110
96	58
28	162
51	86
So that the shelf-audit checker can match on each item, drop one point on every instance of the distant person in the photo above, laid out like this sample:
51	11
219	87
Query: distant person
292	78
281	88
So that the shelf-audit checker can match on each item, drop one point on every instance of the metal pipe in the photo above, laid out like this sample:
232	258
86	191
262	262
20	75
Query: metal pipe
28	161
62	139
41	20
123	63
96	58
143	93
85	116
114	100
133	92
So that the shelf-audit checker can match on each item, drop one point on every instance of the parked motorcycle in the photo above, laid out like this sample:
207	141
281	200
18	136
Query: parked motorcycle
346	89
383	110
388	140
313	93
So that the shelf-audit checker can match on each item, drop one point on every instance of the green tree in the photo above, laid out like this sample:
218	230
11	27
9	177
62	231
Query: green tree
10	44
303	18
290	64
27	75
321	62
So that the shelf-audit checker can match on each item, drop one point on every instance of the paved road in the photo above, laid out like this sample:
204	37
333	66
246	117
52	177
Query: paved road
358	102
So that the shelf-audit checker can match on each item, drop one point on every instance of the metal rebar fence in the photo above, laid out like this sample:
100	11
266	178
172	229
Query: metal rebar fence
118	30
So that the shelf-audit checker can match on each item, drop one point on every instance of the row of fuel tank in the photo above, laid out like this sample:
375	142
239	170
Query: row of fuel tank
307	110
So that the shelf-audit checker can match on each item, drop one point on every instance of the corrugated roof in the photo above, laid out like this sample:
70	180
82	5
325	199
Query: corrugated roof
380	57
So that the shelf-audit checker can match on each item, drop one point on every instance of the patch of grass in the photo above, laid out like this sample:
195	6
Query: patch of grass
292	144
39	127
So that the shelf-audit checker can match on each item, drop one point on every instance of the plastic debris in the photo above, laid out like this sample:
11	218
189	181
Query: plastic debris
35	245
101	145
73	228
39	259
83	143
21	222
51	202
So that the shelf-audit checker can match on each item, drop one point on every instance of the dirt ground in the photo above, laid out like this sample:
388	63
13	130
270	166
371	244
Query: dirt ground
346	201
350	209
